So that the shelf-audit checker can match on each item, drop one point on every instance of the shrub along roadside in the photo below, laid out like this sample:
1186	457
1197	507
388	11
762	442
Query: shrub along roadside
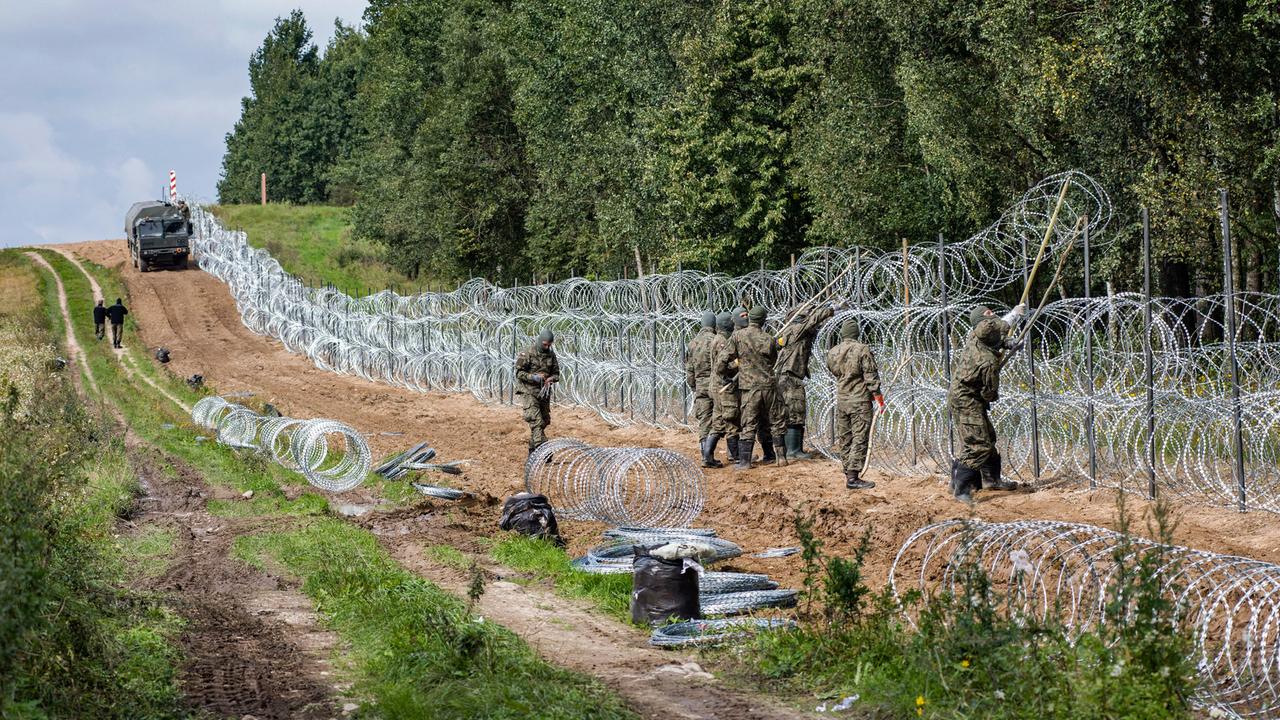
973	654
418	650
72	642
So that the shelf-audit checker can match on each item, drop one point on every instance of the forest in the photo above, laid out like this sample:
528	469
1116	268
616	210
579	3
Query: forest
533	140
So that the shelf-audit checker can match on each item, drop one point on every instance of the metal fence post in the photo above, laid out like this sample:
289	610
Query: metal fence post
1031	370
946	343
1088	365
653	349
1146	351
1228	287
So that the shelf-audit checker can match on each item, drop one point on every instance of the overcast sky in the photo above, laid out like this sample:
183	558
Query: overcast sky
99	100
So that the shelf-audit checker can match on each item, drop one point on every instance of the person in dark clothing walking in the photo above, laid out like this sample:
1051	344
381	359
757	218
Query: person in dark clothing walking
116	313
99	320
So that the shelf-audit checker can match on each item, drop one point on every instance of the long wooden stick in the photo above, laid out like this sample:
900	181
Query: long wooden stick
1044	299
1048	233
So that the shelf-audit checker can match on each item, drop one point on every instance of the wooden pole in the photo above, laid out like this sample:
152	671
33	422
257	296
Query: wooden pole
264	189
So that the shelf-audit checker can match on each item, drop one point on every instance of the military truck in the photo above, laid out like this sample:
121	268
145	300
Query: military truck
158	234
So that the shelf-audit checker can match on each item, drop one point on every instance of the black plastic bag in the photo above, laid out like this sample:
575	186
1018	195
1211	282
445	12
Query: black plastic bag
531	515
663	590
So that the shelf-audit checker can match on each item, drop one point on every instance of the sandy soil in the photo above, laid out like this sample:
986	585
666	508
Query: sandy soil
192	314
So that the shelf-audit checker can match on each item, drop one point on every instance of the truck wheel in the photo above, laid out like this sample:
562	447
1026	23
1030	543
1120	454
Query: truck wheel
143	265
184	264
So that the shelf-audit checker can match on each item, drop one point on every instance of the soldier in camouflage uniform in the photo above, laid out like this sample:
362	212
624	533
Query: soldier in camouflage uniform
975	384
857	384
795	347
699	377
536	371
724	390
753	352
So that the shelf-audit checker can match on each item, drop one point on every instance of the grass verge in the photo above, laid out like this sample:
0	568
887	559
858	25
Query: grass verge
73	643
610	593
419	651
974	652
315	242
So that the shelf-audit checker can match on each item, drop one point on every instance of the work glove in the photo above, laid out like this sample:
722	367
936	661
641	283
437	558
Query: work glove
1013	345
1014	314
538	378
879	400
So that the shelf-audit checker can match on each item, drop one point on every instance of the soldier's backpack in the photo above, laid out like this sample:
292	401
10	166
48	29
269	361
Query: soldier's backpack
531	515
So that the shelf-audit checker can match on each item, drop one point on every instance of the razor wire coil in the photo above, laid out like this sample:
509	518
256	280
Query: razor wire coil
621	347
629	487
331	455
1066	573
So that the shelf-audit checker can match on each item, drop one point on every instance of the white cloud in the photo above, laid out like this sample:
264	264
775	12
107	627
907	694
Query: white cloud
96	112
29	155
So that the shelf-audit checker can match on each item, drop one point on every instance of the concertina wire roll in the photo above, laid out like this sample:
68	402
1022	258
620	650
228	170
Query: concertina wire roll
299	445
621	346
1066	572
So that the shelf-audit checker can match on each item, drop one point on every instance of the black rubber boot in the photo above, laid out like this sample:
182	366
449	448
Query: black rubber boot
709	451
991	479
765	438
731	447
780	455
963	482
745	449
853	482
795	443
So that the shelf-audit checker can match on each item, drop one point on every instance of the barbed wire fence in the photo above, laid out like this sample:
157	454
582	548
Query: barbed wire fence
1068	573
1121	390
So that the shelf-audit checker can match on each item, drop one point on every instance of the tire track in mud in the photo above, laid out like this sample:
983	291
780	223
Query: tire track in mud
252	643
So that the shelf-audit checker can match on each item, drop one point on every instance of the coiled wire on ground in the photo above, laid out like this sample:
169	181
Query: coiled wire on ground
305	446
1066	572
628	487
713	632
417	459
720	593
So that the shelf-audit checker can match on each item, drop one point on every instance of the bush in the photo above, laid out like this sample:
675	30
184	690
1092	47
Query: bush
72	644
974	654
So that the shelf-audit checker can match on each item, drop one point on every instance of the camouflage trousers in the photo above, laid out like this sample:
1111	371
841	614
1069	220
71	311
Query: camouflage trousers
729	412
790	402
977	436
537	412
853	432
757	404
706	408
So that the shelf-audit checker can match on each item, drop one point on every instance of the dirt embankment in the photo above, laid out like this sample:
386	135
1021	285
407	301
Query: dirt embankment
193	315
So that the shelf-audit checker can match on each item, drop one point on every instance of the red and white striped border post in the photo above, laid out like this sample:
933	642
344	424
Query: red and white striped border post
173	186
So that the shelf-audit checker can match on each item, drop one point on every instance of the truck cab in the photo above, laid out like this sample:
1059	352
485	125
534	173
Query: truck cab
158	234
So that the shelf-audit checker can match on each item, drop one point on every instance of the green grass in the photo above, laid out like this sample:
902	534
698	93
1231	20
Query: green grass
974	652
149	551
611	593
417	650
449	556
315	242
73	642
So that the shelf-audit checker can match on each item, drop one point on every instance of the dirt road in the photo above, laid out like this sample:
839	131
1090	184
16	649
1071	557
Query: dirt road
192	314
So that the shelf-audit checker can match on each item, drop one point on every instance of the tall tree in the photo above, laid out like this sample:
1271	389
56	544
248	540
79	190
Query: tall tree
733	192
277	132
